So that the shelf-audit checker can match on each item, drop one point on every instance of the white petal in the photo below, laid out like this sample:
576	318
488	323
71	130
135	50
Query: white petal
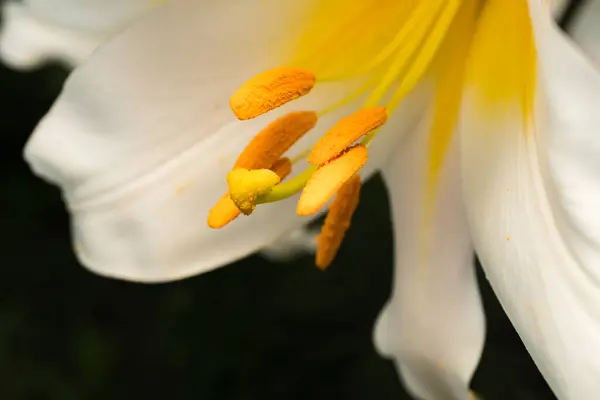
141	140
433	326
586	29
532	200
36	31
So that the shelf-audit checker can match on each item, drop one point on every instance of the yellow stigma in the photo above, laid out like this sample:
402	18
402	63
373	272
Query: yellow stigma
246	185
226	210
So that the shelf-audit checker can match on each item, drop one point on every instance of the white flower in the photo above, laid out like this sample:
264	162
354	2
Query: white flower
142	138
37	31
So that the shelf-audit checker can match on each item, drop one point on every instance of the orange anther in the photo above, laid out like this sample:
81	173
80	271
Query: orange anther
274	140
282	167
226	211
270	89
329	178
345	132
222	213
337	222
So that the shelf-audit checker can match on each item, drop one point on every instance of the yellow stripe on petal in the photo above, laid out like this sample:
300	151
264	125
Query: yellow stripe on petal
503	64
343	38
449	68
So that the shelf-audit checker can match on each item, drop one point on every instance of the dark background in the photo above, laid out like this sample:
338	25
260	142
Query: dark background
252	330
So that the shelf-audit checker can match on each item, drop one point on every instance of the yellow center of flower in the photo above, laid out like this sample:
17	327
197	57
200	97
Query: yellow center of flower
385	48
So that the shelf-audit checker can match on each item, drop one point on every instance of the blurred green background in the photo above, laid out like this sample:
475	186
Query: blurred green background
252	330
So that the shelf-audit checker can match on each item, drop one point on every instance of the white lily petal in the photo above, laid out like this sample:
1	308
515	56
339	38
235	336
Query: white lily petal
532	195
433	326
36	31
586	30
141	139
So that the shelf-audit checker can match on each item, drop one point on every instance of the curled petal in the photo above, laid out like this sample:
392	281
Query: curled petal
531	184
433	326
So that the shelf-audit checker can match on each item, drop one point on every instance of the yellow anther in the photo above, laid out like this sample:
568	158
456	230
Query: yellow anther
246	185
329	178
272	142
271	89
345	132
337	222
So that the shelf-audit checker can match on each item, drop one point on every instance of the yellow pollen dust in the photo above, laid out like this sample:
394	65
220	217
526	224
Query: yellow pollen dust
345	132
269	90
246	185
329	178
337	222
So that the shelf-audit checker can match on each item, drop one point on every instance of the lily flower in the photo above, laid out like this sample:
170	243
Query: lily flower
481	114
37	31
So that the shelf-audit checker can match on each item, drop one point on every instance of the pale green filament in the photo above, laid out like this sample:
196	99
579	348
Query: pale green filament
288	188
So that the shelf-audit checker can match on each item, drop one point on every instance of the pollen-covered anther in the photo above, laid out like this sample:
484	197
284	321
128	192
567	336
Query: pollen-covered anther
328	179
345	132
226	211
282	167
271	89
337	222
272	142
222	213
246	185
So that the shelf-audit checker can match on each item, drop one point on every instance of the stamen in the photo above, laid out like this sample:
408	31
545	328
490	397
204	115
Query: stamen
337	222
271	89
329	178
246	185
289	188
226	211
273	141
282	167
222	213
345	132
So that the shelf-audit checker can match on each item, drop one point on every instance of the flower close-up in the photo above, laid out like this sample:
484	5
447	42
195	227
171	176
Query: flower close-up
206	131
